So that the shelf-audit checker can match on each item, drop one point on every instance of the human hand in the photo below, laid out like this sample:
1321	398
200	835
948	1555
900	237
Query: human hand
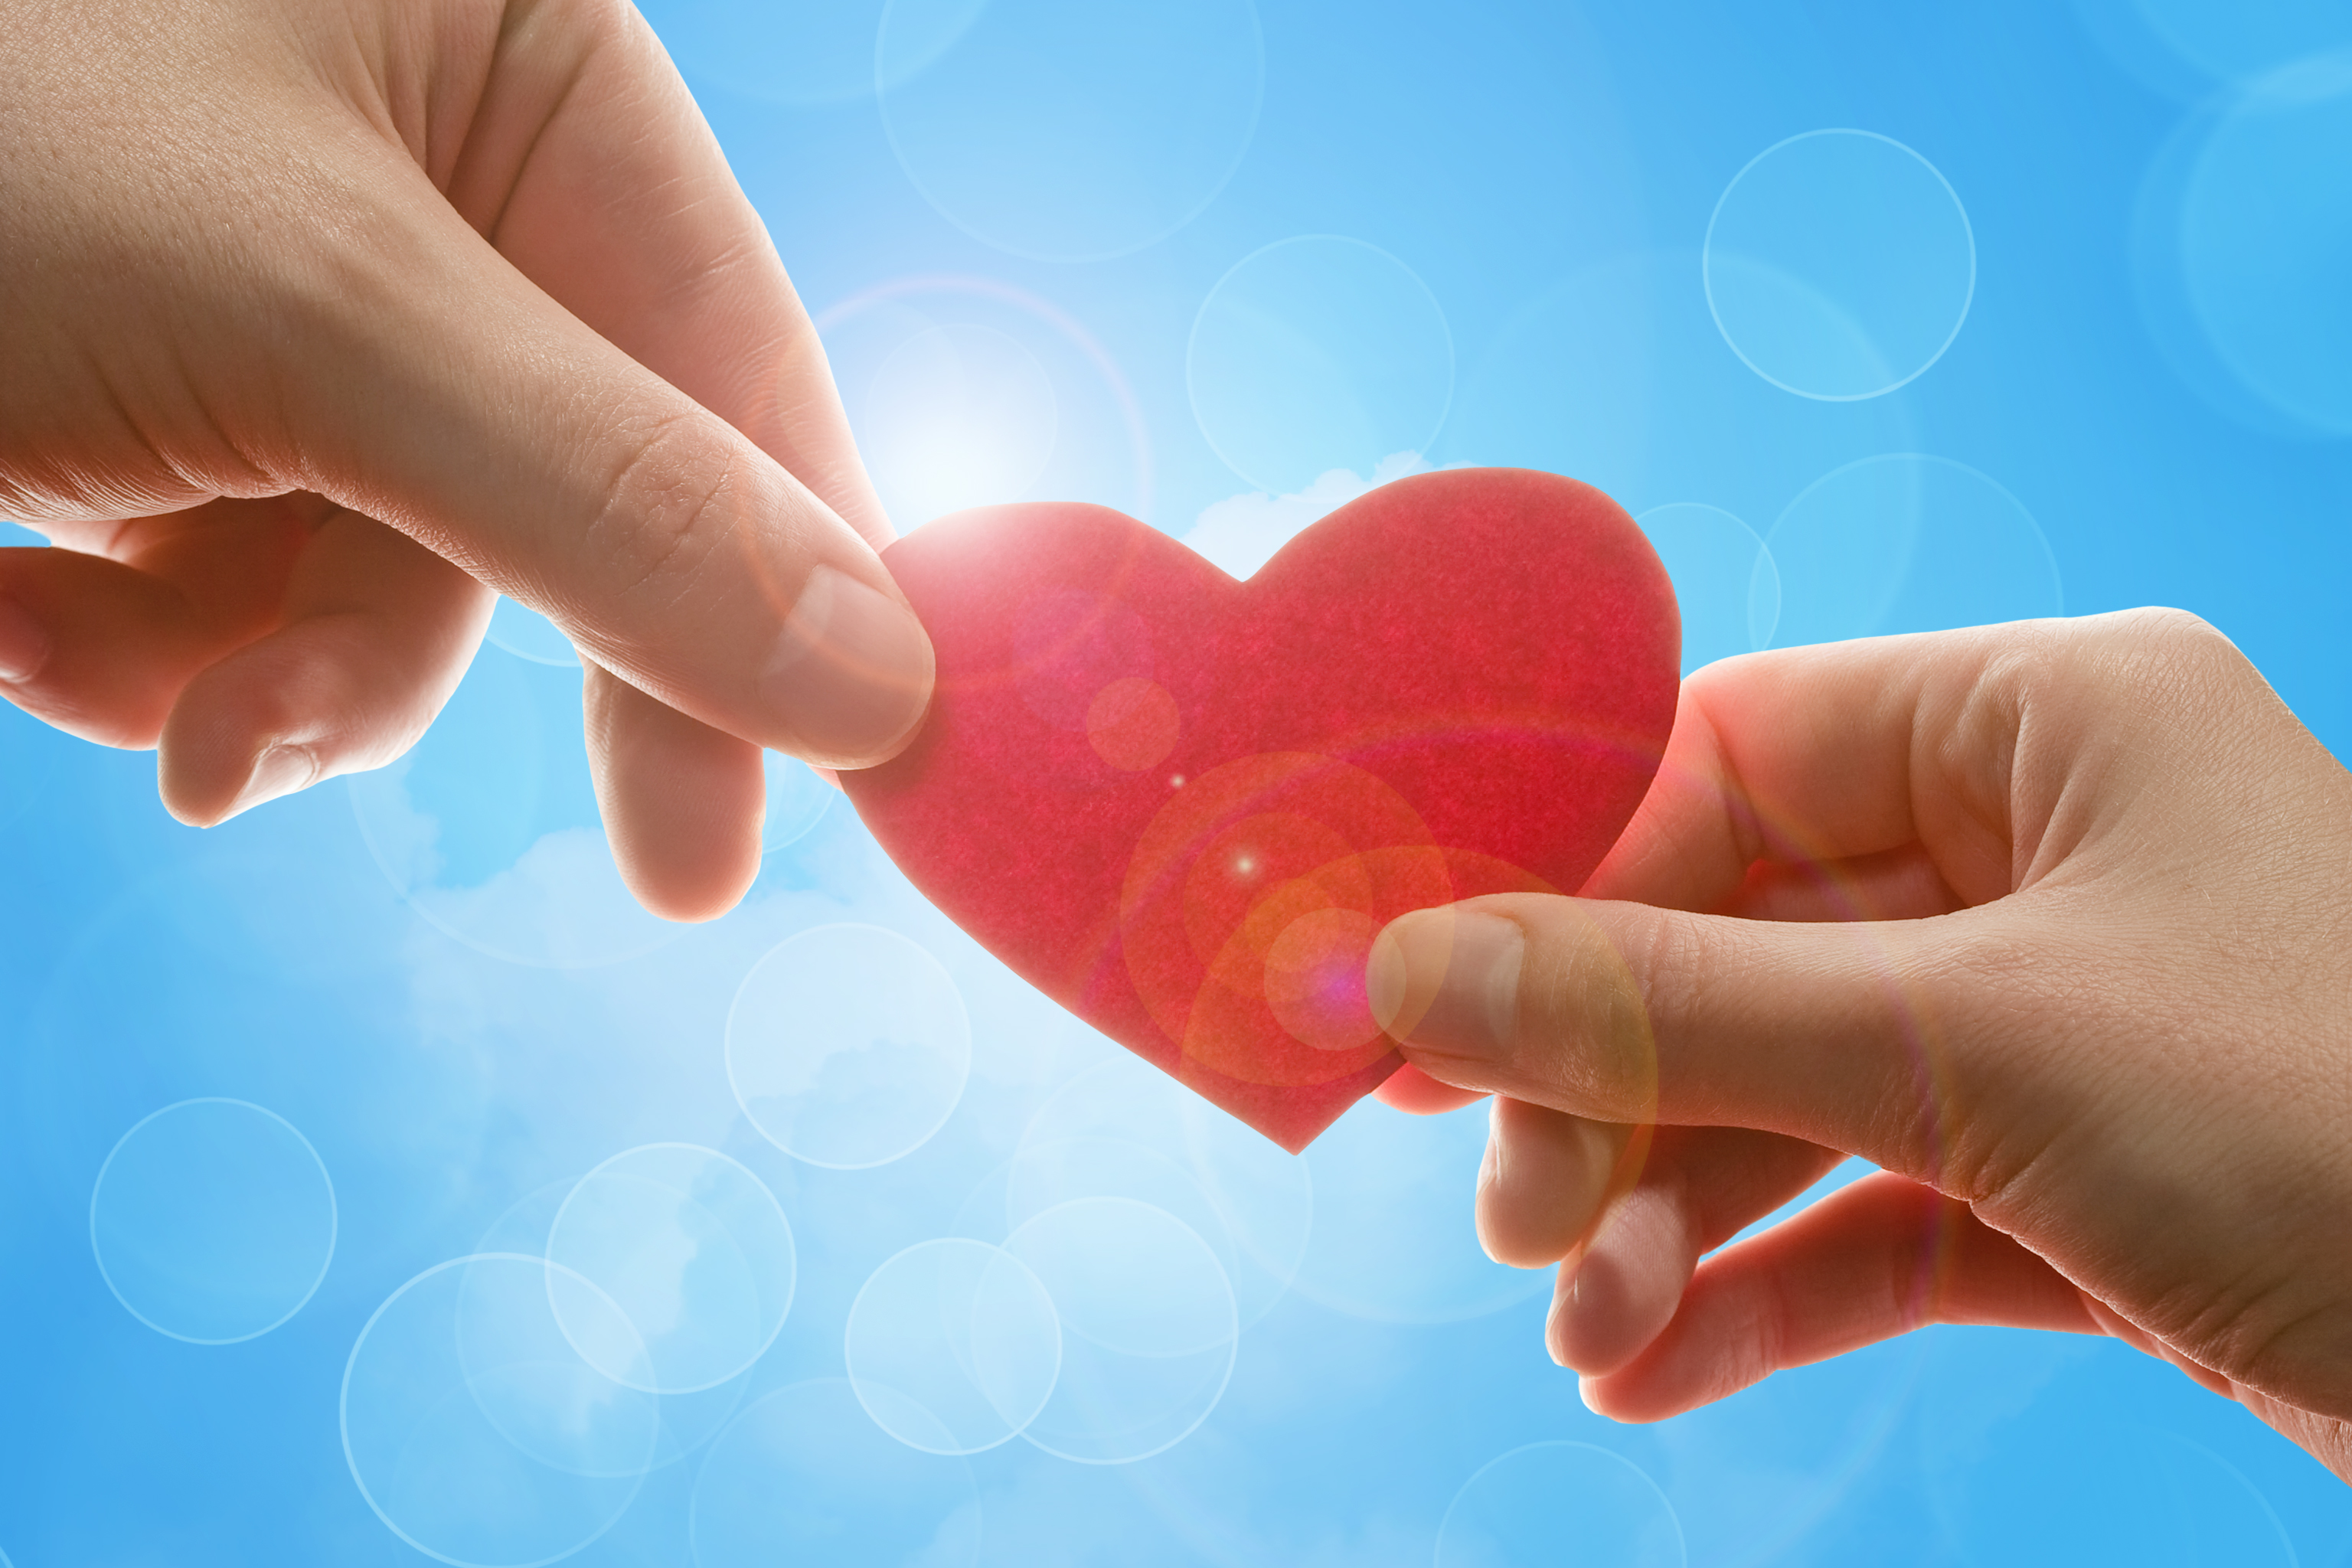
2051	922
325	314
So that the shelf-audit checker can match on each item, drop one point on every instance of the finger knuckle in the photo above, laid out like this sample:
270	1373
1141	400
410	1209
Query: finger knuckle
673	510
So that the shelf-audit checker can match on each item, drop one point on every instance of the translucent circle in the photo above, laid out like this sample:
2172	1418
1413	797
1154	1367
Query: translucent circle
1133	724
1317	353
797	801
1839	265
1069	129
692	1247
1618	376
1126	1129
953	1338
2234	40
2266	241
1908	542
1394	1239
801	56
528	635
957	416
1726	583
213	1221
847	1046
2168	310
689	1421
1558	1505
1148	1327
804	1478
489	827
476	1431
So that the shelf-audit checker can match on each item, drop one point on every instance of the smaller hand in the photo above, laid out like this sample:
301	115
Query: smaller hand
2051	922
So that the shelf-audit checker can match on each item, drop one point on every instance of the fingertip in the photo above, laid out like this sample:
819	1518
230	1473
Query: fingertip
1416	1093
852	673
683	803
687	847
1547	1182
227	745
688	893
1619	1292
1609	1398
281	770
1444	981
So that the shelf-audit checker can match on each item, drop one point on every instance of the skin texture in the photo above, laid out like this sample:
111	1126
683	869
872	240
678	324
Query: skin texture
2049	921
328	317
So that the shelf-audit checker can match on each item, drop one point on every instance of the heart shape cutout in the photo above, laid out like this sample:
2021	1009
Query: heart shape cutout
1183	805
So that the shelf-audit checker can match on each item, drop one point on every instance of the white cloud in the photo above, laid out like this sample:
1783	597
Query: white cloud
1242	534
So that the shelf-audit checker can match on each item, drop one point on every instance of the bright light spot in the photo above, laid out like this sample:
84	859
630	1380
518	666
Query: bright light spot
956	417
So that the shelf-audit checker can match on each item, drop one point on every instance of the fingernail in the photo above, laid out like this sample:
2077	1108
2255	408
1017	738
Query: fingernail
852	673
280	771
24	645
1448	978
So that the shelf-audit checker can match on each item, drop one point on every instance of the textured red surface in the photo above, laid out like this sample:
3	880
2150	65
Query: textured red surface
1181	806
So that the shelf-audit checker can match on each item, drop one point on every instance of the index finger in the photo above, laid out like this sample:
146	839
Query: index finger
1813	757
596	175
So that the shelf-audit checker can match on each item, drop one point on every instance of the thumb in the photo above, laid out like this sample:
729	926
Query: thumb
1619	1011
447	395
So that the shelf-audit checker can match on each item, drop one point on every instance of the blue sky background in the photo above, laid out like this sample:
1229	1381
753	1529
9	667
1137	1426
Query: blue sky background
1222	265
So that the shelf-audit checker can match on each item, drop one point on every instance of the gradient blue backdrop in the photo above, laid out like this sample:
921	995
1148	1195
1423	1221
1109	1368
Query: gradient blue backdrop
2155	367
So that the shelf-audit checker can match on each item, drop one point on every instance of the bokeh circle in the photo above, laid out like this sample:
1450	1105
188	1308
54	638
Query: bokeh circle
690	1245
1907	542
1394	1239
689	1421
1560	1505
848	1045
1148	1327
1069	129
1839	265
213	1221
2266	240
1617	375
1315	354
476	1430
2232	40
803	1477
1126	1130
953	1346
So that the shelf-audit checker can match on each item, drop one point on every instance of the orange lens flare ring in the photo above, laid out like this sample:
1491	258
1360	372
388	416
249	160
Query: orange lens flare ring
1252	901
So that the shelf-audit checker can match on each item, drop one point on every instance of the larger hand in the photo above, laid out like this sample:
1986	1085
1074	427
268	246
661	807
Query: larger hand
321	314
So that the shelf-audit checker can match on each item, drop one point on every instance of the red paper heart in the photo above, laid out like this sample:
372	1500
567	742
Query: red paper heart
1183	806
